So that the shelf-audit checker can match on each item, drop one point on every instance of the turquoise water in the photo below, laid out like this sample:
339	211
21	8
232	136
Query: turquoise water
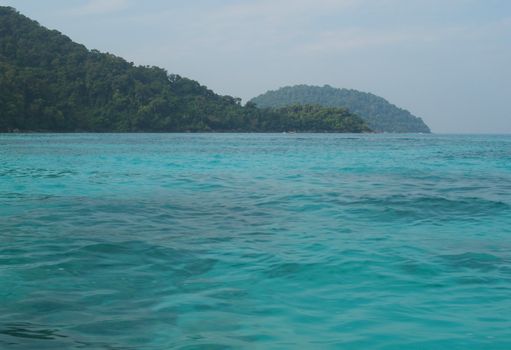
255	241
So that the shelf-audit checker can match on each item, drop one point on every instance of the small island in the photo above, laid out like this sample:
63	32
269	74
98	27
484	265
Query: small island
379	114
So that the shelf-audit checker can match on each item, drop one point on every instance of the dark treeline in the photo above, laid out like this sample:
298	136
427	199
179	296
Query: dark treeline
314	118
50	83
378	113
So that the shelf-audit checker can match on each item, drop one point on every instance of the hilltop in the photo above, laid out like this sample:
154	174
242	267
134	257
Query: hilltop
379	114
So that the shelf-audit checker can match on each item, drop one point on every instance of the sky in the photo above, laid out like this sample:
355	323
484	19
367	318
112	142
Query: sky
446	61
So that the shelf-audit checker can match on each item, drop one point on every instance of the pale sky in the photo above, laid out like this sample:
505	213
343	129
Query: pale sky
447	61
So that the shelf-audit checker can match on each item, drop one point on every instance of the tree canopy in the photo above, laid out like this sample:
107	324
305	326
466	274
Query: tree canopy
379	114
50	83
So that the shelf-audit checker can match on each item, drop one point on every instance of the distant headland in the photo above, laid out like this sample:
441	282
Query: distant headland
378	113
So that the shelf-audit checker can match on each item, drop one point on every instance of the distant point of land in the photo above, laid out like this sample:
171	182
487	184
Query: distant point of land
378	113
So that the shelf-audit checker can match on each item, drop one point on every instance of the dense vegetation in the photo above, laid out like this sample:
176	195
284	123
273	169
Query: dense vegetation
49	83
379	114
315	118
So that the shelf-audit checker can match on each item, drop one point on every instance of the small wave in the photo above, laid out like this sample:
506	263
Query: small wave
30	331
475	261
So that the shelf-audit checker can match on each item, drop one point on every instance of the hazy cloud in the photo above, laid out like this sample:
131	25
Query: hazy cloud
343	40
100	7
276	10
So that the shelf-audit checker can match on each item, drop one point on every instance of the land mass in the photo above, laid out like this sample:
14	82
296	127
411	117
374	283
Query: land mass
50	83
378	113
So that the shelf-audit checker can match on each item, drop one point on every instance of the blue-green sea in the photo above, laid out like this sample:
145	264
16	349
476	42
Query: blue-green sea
255	241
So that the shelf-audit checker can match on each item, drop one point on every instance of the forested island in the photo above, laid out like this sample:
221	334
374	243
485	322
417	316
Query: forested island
379	114
48	83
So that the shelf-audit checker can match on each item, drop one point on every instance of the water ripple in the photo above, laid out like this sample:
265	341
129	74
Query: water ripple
255	241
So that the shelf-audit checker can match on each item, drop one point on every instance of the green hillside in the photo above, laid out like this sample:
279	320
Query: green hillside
50	83
379	114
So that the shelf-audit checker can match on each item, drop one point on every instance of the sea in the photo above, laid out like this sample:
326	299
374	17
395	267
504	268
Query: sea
255	241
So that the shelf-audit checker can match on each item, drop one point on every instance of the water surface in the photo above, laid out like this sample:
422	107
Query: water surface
255	241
